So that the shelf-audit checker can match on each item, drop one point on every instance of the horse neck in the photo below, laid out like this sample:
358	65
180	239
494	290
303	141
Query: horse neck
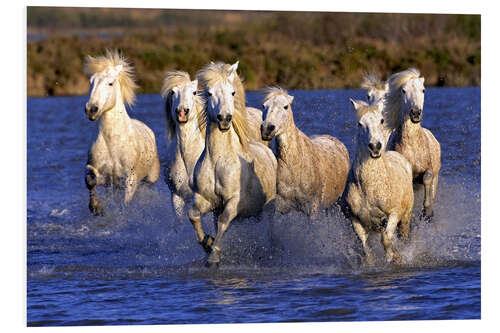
365	166
288	140
407	130
115	120
222	143
189	136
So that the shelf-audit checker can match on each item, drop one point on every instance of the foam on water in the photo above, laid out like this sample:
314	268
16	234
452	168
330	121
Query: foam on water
146	238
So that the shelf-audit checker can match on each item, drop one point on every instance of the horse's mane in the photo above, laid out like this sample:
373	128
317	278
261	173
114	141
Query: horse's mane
99	64
213	73
174	79
392	103
271	92
372	81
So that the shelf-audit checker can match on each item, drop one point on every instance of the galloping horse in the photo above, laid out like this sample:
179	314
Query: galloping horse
235	177
379	190
124	152
184	111
403	111
312	172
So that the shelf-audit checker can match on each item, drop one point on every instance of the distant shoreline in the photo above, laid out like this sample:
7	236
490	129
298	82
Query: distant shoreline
294	50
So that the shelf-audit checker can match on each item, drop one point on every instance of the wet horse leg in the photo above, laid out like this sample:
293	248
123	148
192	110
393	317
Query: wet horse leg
363	236
131	184
92	181
229	213
428	178
178	204
201	206
387	235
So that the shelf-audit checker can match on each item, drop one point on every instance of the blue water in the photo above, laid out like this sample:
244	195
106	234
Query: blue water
138	265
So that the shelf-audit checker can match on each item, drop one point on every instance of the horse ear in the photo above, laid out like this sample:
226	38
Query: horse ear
422	79
234	67
232	71
290	99
354	103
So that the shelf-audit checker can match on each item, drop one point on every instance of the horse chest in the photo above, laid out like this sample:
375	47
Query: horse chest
414	146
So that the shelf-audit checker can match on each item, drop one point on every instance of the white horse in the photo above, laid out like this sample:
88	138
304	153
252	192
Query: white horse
403	111
379	190
312	172
235	177
375	88
184	110
124	152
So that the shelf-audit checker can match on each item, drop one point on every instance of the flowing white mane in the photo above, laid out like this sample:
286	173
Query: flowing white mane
392	103
100	64
214	73
272	92
176	79
371	81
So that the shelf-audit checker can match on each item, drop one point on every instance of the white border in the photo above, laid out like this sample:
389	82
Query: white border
13	164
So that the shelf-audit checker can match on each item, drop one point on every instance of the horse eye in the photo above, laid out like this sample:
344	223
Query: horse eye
423	91
194	92
367	96
359	124
286	107
403	91
209	93
263	106
233	93
382	120
110	84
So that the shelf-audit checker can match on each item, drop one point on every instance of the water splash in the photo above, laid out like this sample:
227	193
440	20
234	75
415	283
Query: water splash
146	234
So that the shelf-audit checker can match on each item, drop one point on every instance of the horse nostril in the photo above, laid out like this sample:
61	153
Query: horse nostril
229	117
371	146
186	110
270	128
219	117
93	109
379	145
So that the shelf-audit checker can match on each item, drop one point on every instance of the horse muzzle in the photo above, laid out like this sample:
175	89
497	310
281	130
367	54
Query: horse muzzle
224	123
91	111
416	116
375	149
267	132
182	115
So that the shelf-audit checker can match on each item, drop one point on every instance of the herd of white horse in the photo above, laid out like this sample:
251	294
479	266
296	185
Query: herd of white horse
222	156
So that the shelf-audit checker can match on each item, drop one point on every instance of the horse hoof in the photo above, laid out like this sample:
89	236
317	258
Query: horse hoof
214	258
207	243
209	264
396	258
96	210
369	260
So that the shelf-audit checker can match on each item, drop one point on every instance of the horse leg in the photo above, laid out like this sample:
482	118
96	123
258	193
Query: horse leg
428	199
363	236
390	253
178	204
131	184
435	182
201	206
92	181
229	213
404	226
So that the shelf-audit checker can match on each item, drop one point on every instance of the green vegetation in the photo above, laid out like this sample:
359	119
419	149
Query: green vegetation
295	50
